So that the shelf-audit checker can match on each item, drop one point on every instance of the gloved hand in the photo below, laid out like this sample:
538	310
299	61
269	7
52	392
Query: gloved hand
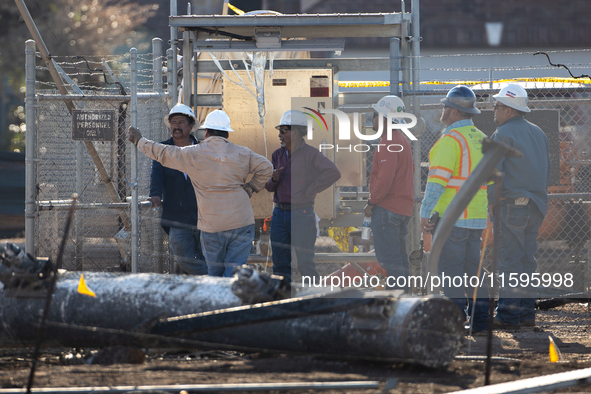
133	135
248	188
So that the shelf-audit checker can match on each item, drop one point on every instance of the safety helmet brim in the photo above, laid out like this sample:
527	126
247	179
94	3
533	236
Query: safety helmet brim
293	118
470	110
217	120
510	102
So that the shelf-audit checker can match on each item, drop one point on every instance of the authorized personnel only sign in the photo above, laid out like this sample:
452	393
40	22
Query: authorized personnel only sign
93	125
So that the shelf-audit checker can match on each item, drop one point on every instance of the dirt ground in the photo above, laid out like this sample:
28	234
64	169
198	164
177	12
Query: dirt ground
519	354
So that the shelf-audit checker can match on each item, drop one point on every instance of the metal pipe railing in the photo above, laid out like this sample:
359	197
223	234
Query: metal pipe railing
30	156
134	176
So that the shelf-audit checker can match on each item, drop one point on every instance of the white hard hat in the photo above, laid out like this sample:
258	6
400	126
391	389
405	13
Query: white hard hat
390	103
181	109
293	118
217	120
514	96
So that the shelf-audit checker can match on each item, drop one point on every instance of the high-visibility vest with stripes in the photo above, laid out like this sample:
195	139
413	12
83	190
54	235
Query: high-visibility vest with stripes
451	160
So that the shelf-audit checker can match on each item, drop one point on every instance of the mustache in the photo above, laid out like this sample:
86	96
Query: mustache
177	129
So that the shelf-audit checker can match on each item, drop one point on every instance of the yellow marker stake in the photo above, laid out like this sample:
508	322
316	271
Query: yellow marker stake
555	354
83	289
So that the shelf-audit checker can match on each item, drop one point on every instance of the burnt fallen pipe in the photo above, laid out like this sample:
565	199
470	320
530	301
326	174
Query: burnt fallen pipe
152	310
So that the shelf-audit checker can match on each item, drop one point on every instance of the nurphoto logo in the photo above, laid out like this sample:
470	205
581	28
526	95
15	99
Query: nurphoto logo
394	122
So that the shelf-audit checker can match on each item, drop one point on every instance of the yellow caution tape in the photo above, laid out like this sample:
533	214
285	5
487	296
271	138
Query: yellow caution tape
373	84
362	84
236	10
83	289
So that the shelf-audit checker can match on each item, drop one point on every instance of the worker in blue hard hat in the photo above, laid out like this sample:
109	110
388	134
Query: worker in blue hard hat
451	160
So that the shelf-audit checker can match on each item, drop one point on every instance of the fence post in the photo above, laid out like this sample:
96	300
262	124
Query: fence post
416	108
187	69
172	60
134	177
30	155
157	64
395	66
158	239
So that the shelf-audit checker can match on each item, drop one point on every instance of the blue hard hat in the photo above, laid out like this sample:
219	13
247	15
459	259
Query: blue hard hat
461	98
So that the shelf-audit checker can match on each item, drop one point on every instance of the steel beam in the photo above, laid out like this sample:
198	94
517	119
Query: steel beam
292	26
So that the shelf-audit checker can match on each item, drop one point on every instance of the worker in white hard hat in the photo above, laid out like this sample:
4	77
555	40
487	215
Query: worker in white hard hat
391	195
451	161
218	170
300	173
173	191
522	205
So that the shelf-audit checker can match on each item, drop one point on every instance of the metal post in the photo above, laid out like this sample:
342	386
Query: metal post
169	73
416	109
79	215
172	65
490	78
134	177
157	64
187	81
405	62
395	66
195	69
30	155
158	239
405	65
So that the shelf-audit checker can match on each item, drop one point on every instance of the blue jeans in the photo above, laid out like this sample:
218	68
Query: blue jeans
303	238
226	250
518	244
460	257
186	248
281	243
389	235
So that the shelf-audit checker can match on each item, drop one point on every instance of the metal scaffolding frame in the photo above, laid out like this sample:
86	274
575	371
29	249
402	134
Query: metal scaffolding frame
265	32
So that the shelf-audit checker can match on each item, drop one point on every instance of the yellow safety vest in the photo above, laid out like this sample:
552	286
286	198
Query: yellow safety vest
451	161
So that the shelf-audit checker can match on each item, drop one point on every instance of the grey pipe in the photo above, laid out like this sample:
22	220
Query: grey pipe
416	109
134	165
172	61
30	149
395	66
157	65
209	388
187	69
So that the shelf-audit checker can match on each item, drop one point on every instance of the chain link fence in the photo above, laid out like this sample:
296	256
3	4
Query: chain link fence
99	173
100	239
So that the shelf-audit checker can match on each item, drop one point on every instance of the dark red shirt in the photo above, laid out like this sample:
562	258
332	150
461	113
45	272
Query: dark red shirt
281	188
391	181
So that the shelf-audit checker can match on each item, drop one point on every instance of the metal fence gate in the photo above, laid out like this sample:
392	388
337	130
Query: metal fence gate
100	239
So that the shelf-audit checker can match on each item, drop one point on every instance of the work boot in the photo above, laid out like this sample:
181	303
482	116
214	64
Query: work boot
528	323
502	326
